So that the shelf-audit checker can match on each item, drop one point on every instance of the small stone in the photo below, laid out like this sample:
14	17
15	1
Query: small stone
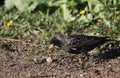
49	60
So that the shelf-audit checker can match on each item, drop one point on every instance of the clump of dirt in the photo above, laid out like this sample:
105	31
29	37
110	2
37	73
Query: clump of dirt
19	59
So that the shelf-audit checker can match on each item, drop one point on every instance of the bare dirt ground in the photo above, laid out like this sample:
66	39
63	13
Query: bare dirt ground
20	60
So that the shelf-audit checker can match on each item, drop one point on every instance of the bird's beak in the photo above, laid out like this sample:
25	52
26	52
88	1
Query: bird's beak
52	47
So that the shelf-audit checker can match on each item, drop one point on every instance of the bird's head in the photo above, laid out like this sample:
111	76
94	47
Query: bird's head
57	40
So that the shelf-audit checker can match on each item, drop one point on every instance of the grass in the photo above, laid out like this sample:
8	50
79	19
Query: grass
100	17
40	22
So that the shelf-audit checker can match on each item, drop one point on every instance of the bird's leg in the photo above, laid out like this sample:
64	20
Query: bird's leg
82	57
86	58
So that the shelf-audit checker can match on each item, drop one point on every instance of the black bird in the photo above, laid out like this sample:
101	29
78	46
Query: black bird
78	43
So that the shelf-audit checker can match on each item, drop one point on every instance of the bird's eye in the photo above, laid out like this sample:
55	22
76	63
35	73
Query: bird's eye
57	42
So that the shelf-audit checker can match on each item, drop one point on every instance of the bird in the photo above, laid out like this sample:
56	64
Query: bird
77	44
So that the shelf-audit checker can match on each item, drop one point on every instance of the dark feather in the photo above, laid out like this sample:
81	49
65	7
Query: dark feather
78	43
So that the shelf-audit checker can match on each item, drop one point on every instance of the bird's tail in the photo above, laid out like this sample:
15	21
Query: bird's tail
113	40
108	39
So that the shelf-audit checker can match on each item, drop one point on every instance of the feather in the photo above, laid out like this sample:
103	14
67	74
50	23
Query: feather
78	43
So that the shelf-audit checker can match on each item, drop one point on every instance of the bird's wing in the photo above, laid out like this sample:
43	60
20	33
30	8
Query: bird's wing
82	41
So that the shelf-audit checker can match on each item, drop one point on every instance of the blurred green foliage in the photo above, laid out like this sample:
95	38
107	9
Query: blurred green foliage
48	17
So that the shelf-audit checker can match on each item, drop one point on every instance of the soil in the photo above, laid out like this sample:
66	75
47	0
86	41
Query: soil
22	60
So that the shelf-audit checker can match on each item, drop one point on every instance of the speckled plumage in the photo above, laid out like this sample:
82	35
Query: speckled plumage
78	43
